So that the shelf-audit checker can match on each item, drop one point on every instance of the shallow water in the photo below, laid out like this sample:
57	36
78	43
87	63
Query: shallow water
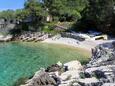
19	60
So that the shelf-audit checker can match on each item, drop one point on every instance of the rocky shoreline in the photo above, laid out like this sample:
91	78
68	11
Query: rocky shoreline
5	38
67	39
100	71
26	36
32	36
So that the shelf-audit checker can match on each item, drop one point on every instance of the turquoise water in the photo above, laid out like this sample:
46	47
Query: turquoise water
19	60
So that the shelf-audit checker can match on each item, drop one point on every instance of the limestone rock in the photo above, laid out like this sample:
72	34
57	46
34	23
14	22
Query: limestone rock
103	54
53	68
74	65
109	84
89	82
5	38
76	84
102	64
69	75
72	74
40	78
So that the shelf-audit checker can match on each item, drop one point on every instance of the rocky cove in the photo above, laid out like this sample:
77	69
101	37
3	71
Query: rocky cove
100	71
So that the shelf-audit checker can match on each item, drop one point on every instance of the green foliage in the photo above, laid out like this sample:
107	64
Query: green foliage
98	14
7	14
65	9
99	9
49	28
36	11
33	7
21	14
32	13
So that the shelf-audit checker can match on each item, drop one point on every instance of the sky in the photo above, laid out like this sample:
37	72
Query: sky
11	4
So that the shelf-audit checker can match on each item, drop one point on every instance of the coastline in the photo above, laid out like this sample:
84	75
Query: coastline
66	41
87	45
42	37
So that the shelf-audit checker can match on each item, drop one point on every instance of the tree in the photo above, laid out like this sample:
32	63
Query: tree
7	14
98	14
64	9
21	14
34	12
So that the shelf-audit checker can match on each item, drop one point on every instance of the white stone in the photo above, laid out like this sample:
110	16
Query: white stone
74	65
75	84
69	75
88	80
59	63
68	82
64	85
109	84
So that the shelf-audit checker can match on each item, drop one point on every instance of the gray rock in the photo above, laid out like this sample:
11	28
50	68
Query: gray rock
76	84
102	64
109	84
41	78
74	65
104	54
89	82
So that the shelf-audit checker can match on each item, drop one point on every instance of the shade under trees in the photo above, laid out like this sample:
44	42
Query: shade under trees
98	15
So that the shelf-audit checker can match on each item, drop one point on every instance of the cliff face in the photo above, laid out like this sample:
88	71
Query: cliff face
100	71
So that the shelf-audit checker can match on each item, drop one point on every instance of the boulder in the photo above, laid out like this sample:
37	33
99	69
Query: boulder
53	68
68	82
6	38
76	84
109	84
102	64
74	65
72	74
69	75
103	54
89	82
41	78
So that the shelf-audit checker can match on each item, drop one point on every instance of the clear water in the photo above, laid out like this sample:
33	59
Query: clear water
24	59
